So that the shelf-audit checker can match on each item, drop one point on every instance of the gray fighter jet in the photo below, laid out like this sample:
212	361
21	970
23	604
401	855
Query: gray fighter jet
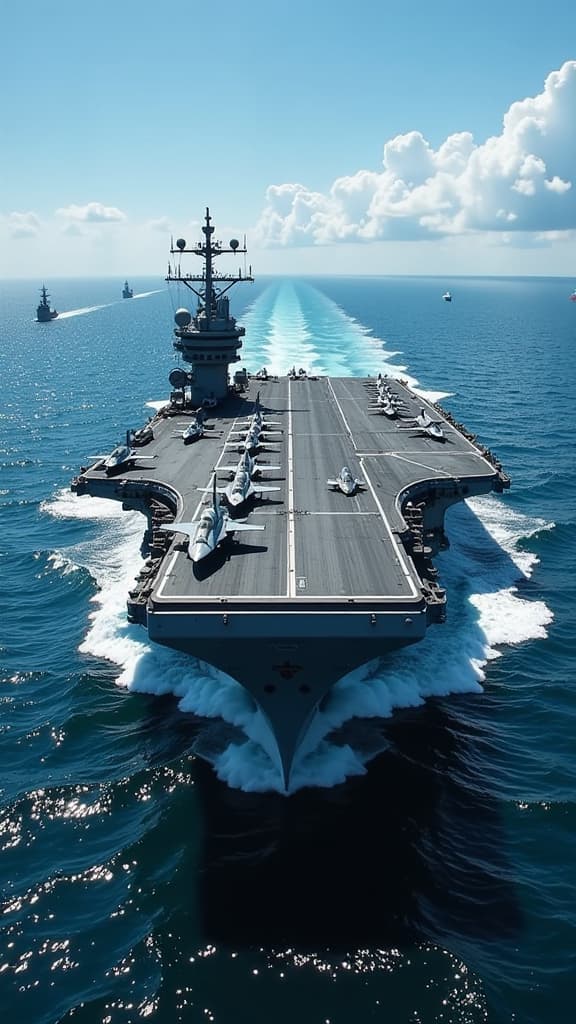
425	426
345	482
248	463
122	457
207	532
241	488
192	432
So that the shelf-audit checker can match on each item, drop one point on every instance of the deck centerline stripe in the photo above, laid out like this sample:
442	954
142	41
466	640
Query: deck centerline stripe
291	543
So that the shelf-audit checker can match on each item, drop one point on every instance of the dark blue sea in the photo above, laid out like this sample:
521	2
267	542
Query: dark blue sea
423	870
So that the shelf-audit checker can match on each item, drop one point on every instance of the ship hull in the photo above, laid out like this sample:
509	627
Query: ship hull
287	663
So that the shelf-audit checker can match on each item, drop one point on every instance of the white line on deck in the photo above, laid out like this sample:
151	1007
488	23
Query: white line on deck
291	547
393	541
344	420
421	465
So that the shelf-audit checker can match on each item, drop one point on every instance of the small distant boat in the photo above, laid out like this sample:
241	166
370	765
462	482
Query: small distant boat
43	312
127	291
573	296
447	297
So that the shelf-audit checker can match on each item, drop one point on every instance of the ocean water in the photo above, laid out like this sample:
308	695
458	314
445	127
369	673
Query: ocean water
423	868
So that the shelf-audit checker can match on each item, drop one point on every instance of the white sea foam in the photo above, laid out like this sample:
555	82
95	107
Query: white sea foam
82	311
481	572
61	563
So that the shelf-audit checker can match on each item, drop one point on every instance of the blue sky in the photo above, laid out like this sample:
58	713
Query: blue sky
344	138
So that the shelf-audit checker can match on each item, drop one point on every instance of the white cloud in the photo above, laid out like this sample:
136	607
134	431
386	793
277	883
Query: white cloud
23	225
520	181
91	213
159	224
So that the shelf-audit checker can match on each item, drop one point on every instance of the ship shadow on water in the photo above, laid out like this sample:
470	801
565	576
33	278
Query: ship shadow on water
411	851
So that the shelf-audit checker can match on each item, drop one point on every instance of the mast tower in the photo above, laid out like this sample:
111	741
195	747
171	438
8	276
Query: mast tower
210	339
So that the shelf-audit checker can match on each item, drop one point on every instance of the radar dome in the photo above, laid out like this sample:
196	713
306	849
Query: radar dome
181	243
182	317
234	243
178	378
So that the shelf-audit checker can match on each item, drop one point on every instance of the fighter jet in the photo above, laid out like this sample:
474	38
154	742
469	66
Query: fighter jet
257	420
345	482
250	443
425	426
386	406
192	432
241	488
248	463
207	532
122	457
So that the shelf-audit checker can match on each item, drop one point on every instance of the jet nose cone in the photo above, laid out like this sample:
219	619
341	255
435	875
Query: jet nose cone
199	551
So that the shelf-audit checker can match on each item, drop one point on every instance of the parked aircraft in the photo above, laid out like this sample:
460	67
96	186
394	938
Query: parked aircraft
122	457
250	442
207	532
192	432
248	463
257	420
345	482
241	488
425	426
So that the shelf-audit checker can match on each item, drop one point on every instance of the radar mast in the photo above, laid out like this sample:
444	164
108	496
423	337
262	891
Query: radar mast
210	339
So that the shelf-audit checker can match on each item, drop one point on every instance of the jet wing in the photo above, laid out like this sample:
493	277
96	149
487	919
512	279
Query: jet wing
232	525
188	528
258	489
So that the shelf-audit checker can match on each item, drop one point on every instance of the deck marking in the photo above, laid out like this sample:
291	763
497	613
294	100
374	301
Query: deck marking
340	410
398	553
291	545
421	465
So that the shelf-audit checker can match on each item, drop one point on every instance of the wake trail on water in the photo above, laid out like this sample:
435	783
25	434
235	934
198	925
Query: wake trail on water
106	305
481	571
83	310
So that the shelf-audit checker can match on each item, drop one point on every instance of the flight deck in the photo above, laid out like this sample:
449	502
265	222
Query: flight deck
318	545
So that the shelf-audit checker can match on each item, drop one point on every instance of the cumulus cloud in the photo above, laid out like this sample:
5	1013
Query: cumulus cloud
521	180
91	213
23	225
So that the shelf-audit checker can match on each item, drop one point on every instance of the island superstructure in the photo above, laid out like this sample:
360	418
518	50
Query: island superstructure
334	579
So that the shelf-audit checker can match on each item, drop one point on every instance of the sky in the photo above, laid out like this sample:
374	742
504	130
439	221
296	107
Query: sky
342	138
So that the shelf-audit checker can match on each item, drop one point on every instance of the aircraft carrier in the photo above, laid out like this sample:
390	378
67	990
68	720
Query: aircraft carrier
332	580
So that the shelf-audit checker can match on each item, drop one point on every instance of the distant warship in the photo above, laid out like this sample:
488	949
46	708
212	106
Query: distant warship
286	593
127	291
43	311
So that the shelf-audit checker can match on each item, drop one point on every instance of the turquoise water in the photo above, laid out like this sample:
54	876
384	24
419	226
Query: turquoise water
423	869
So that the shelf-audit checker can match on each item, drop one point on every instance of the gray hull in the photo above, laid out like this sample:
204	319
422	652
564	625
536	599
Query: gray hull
287	663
